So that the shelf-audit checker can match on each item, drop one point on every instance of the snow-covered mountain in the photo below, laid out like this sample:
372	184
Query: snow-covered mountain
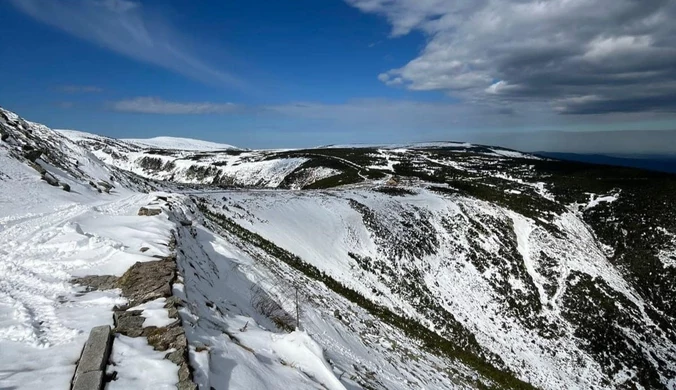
438	265
176	143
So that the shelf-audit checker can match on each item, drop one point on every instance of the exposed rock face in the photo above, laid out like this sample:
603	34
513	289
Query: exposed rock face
148	212
33	154
37	167
50	179
145	282
97	282
129	322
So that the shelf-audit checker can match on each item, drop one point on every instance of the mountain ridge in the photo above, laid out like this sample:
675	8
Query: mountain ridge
452	267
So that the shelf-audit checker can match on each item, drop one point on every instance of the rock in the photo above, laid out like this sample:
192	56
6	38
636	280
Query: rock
105	184
97	282
176	357
32	154
4	136
173	301
144	249
92	380
129	323
147	281
65	186
172	307
168	337
96	350
91	367
162	198
184	378
37	167
50	179
147	212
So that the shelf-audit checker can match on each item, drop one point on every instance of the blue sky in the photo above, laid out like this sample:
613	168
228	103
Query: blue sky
307	72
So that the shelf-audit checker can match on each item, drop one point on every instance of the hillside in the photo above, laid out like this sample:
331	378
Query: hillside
176	143
438	265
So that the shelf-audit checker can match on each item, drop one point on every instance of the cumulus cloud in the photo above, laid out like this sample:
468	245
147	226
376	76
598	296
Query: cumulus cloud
580	56
152	105
129	29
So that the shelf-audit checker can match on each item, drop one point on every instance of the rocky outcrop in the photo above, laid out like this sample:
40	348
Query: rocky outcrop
145	282
149	212
148	281
97	282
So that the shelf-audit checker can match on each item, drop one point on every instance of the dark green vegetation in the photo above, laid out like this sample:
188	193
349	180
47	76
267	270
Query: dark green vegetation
600	315
624	320
637	227
352	164
466	350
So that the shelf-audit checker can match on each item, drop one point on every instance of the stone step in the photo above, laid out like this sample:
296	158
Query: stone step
92	364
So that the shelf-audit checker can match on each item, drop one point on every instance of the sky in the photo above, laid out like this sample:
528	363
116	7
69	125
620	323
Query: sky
556	75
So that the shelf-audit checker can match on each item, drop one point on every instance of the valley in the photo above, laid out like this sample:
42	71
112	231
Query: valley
436	265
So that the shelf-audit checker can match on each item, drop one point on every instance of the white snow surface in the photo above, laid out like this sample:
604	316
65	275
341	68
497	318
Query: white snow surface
154	313
177	143
139	366
597	200
337	229
177	161
233	346
47	237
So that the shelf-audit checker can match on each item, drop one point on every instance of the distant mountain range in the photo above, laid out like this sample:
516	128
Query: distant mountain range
653	162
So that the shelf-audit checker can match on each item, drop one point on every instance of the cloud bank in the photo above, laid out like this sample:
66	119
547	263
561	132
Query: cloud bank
579	56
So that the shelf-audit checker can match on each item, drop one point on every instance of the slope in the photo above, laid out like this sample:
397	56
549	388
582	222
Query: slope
177	143
63	213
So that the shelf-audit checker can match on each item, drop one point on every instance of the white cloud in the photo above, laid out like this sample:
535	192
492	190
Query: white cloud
129	29
554	50
605	48
151	105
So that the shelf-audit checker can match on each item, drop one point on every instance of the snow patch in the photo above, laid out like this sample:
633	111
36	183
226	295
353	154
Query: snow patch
176	143
595	201
154	313
139	366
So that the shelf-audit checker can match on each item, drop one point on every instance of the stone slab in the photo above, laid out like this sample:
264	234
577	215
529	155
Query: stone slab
96	351
92	380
